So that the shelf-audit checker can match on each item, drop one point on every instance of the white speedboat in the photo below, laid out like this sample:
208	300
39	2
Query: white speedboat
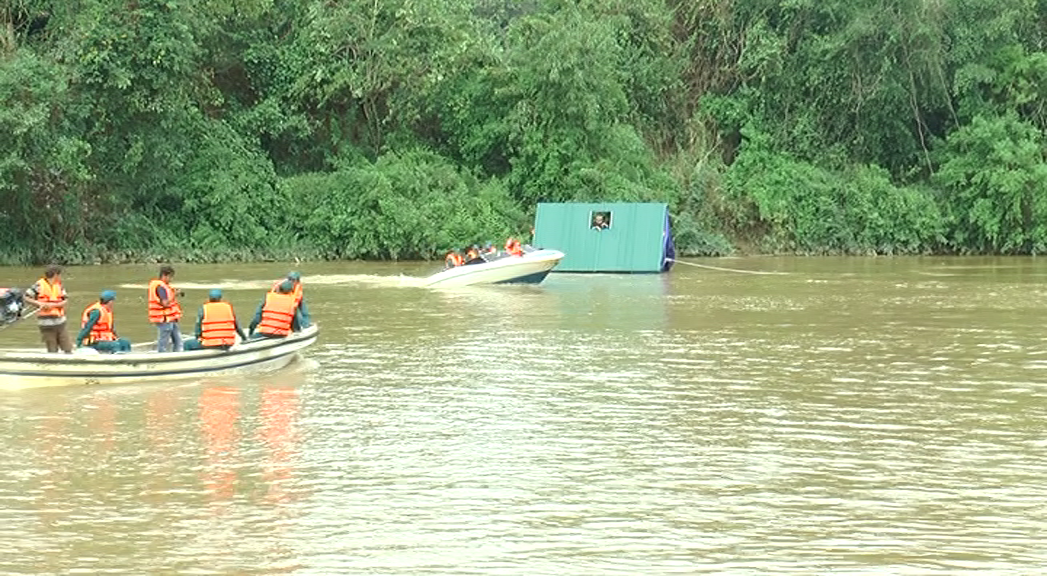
531	268
32	368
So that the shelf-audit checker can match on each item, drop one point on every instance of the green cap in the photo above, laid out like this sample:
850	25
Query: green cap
215	294
294	276
286	287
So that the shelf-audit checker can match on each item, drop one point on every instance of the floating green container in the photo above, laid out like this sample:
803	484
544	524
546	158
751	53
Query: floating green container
618	237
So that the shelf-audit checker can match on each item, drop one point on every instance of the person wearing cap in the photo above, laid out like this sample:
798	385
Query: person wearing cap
216	325
278	315
297	291
97	328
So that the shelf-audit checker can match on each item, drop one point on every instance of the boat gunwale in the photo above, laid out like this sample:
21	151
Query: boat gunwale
12	357
509	262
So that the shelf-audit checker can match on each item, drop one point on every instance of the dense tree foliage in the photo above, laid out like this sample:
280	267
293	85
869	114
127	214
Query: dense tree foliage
219	129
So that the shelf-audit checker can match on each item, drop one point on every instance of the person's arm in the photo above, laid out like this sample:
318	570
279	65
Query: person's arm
305	311
29	296
296	321
239	331
200	323
92	319
161	293
257	318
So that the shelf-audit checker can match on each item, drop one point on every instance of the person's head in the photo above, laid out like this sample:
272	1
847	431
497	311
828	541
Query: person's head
53	272
294	277
106	298
598	219
214	295
166	273
286	287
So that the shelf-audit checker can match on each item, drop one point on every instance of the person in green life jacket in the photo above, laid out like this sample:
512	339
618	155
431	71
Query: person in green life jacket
278	315
216	325
97	326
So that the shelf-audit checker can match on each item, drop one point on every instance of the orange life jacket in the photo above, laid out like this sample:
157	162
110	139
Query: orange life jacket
51	294
512	246
277	314
297	292
102	331
472	254
454	259
158	313
218	325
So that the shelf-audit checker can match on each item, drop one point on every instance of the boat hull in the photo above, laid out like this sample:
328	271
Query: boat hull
531	268
22	369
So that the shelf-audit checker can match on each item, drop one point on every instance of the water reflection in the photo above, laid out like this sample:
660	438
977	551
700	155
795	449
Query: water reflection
279	411
580	302
219	411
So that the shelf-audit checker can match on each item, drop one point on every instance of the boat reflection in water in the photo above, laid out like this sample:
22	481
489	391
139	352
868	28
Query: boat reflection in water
100	457
609	300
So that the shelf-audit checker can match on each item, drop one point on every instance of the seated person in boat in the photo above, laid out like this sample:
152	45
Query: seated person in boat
472	255
298	292
489	250
216	325
97	328
453	259
512	246
277	315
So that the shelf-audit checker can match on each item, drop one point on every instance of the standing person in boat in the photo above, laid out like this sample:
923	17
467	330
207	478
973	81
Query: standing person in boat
277	315
97	327
50	296
216	325
298	292
165	311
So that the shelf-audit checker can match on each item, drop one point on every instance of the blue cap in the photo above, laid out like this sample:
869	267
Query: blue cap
286	287
107	296
215	294
294	276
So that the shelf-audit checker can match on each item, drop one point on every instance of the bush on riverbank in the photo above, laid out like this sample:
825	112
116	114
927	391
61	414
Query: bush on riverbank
208	131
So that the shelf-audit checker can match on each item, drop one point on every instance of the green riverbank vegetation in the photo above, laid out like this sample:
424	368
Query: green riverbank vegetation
207	130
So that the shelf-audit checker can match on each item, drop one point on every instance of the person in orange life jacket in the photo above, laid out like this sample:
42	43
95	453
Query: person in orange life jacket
165	311
50	296
277	315
216	325
298	292
512	246
472	255
453	259
97	327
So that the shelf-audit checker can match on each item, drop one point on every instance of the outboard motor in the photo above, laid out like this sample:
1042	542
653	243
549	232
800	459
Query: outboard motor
11	305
